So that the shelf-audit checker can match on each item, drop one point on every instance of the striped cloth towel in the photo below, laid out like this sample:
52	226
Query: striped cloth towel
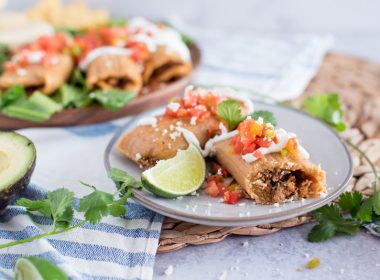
125	248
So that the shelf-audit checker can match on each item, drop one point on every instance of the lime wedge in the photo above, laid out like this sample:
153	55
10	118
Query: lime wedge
33	268
177	176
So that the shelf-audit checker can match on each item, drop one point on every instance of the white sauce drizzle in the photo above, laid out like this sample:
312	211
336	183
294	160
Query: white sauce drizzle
34	57
153	36
209	146
97	52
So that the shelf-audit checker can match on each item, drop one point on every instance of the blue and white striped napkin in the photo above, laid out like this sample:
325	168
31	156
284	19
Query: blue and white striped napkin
114	249
125	248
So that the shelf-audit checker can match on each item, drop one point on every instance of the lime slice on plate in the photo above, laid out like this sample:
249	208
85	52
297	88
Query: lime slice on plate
33	268
177	176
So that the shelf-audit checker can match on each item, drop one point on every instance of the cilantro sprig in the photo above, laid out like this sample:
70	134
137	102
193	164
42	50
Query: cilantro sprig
327	108
350	214
230	112
353	211
267	116
59	206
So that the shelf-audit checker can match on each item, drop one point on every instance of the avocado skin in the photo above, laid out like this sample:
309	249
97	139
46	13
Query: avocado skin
8	195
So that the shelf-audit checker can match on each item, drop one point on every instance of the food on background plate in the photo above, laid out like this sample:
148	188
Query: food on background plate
254	159
79	67
74	15
17	161
41	65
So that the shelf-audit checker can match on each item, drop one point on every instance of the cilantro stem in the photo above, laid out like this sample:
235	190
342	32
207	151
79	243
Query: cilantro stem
371	164
50	233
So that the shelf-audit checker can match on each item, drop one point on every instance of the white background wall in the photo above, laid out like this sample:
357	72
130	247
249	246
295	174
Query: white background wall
355	23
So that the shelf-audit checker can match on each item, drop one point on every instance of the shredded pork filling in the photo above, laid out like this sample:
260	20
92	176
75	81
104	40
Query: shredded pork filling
272	186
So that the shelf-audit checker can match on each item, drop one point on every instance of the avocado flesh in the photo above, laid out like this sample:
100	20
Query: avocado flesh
17	161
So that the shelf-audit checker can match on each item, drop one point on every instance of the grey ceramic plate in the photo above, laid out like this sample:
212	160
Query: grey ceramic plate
323	144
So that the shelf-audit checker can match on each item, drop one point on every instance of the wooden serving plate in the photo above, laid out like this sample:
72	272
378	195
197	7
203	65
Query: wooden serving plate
96	113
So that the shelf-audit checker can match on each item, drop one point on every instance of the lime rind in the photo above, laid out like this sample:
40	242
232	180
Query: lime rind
33	268
177	176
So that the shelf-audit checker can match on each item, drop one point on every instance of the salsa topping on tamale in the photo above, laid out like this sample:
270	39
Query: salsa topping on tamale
257	138
43	51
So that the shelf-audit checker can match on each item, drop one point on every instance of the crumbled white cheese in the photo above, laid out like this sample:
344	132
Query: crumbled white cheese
290	163
245	244
174	106
148	121
169	270
138	156
193	121
171	127
180	197
164	131
242	204
306	255
179	123
260	120
276	205
21	72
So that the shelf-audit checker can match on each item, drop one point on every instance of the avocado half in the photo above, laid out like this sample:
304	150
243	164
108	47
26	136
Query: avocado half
17	162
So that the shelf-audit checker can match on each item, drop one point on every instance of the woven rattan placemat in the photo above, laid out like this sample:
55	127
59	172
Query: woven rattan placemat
357	81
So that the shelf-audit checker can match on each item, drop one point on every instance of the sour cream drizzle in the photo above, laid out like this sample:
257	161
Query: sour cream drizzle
153	36
34	57
210	144
97	52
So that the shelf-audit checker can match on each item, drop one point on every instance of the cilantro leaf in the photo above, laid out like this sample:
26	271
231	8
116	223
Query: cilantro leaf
41	206
267	116
123	180
230	112
58	205
326	108
322	231
12	95
330	223
113	99
95	205
118	208
365	211
350	201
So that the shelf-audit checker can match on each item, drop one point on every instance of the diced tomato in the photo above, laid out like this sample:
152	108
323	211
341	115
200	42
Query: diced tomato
255	128
292	146
263	142
195	112
250	148
217	178
212	189
258	154
238	147
216	167
275	140
9	66
222	188
231	197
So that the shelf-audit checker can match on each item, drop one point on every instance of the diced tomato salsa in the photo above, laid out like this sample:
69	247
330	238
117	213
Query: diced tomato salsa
254	135
216	186
199	103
